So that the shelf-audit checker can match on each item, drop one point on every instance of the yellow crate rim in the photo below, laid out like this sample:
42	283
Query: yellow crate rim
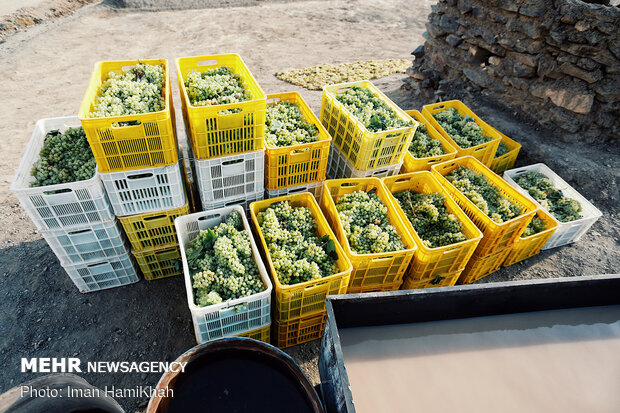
336	89
445	168
102	68
384	196
307	200
399	183
508	159
192	62
429	110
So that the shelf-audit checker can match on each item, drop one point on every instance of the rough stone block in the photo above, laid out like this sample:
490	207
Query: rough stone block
534	10
574	71
448	24
434	31
564	120
478	76
571	96
521	70
608	89
508	5
587	64
453	40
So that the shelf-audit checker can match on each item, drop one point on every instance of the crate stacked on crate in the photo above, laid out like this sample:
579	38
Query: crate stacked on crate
429	152
467	133
299	307
139	164
363	148
296	152
75	218
568	230
377	270
245	316
226	135
443	248
500	227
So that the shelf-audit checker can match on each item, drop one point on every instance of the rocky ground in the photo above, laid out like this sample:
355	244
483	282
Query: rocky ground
46	70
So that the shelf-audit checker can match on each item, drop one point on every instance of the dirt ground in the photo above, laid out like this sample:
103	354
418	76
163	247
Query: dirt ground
45	71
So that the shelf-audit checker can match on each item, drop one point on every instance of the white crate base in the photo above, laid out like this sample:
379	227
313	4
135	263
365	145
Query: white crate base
145	190
62	205
243	202
567	232
102	274
316	189
230	177
90	242
339	167
234	316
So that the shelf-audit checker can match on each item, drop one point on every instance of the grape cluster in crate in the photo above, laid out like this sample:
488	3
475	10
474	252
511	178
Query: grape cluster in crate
364	198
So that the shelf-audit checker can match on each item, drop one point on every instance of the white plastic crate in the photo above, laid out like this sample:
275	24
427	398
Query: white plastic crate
242	202
339	167
145	190
63	205
567	232
233	316
315	189
230	177
102	274
90	242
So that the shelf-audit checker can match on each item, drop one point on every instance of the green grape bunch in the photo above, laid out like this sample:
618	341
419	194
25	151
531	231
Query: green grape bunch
462	129
285	125
217	86
535	226
563	208
430	218
502	150
423	146
370	110
65	157
221	263
366	223
297	252
139	90
487	197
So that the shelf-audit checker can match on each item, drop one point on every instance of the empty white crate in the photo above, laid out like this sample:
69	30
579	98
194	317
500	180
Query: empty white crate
567	232
88	242
63	205
101	274
242	202
339	167
315	189
233	316
230	177
145	190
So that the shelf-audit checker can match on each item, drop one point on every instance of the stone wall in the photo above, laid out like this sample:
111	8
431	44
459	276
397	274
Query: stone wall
556	60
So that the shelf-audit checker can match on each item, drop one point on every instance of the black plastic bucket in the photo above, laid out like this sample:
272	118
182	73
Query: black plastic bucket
50	394
235	375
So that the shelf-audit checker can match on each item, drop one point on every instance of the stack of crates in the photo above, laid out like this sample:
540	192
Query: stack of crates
438	266
138	161
243	317
357	152
297	168
76	220
226	141
383	271
299	309
498	239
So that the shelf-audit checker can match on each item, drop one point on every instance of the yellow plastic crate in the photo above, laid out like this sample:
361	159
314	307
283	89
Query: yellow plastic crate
156	263
428	263
364	149
371	272
153	229
495	236
261	334
507	160
446	280
483	152
148	144
307	298
298	164
214	132
375	288
413	164
481	266
529	246
299	331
